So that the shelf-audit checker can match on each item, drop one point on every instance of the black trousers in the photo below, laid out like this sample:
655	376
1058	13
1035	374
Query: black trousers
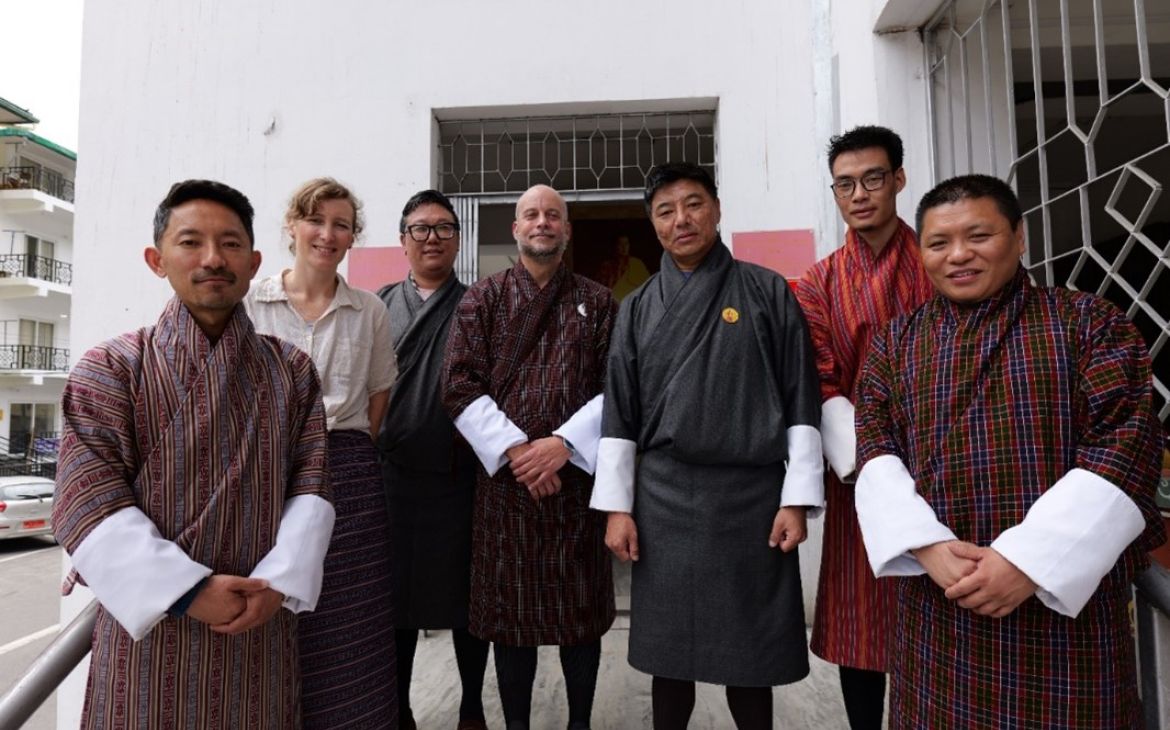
470	656
673	701
864	691
516	671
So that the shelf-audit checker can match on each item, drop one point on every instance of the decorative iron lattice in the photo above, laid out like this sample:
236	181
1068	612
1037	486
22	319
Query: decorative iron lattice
1068	100
569	153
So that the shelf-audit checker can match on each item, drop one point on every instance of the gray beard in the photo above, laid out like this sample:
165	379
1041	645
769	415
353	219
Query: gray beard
542	254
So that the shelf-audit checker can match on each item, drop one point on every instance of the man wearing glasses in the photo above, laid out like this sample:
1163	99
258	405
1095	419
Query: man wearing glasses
847	297
428	469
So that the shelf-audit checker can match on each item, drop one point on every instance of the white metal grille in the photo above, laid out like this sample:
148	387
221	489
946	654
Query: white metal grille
569	153
1068	100
467	261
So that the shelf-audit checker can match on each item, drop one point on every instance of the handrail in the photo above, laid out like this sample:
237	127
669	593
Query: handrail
48	670
1154	585
1151	597
36	267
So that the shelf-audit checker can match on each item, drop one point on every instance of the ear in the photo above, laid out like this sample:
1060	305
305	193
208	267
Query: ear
899	180
256	258
718	212
568	231
1021	238
153	258
514	225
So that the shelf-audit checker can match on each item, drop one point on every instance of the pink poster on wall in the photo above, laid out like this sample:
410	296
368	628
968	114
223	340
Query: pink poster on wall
374	267
787	252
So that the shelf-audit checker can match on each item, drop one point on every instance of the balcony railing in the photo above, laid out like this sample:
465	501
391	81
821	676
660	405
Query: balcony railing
36	267
28	177
33	357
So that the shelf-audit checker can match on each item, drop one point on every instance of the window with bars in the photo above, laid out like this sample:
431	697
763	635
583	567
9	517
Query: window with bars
1069	101
591	152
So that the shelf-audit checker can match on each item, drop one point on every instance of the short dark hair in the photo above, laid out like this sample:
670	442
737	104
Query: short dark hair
864	137
671	172
969	187
426	197
216	192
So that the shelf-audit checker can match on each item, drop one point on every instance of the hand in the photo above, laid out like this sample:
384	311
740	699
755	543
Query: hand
943	566
261	606
995	588
221	600
546	456
546	486
515	452
621	536
789	528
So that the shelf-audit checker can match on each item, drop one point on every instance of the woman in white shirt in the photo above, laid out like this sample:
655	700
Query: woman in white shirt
347	643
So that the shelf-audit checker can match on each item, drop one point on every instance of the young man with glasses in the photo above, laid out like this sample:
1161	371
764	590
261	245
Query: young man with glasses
847	297
428	470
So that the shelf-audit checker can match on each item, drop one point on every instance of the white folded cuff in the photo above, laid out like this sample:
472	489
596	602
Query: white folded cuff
295	564
489	432
804	480
613	487
583	431
894	517
134	572
839	435
1071	538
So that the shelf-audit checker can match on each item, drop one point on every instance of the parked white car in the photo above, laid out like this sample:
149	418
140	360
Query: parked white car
26	506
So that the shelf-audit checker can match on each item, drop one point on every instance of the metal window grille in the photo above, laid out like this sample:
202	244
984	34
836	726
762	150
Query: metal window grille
1068	101
569	153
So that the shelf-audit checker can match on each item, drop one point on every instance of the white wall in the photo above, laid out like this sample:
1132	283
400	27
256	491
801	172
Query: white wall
195	89
263	95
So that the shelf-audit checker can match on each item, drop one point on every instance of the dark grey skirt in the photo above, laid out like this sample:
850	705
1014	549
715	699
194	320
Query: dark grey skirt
430	517
709	600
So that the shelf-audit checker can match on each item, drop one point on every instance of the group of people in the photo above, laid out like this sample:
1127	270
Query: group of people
271	492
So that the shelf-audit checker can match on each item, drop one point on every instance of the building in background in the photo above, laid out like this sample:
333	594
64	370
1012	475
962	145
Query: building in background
1066	99
36	285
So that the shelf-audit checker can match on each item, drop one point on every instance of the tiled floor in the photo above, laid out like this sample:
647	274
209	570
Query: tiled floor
623	694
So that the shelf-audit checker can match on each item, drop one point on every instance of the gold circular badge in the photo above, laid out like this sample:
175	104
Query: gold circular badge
730	315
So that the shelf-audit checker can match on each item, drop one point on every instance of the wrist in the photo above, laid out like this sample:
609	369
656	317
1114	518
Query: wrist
567	444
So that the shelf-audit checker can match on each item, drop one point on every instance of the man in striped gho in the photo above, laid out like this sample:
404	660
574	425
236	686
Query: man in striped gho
847	297
192	494
1009	454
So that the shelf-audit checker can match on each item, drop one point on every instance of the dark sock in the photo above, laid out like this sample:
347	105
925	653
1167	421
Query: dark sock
673	701
751	707
405	642
515	672
864	691
471	655
579	664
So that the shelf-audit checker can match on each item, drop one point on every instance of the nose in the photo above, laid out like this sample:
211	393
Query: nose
859	191
958	251
213	257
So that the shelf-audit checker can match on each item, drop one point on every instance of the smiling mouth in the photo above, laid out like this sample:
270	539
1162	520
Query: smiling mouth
963	274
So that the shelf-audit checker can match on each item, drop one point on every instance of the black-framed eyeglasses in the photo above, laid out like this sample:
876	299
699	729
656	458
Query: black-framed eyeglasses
420	232
871	181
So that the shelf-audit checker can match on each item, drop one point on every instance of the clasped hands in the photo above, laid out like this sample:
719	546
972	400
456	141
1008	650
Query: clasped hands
977	578
535	465
231	604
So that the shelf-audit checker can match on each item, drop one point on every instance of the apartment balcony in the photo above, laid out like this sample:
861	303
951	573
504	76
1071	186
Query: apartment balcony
32	364
29	189
24	275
